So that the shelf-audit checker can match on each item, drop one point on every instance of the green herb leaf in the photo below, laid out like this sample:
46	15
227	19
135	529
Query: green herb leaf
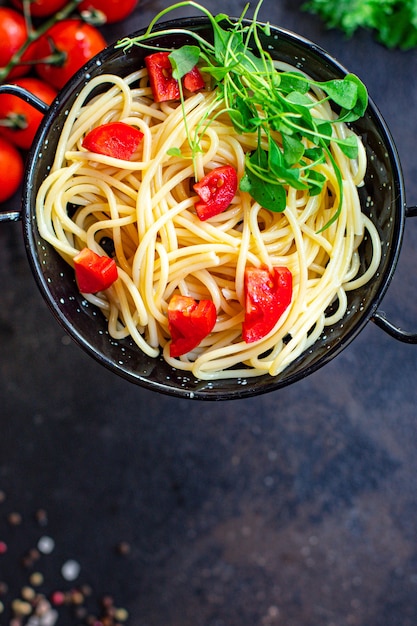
316	182
269	196
349	146
243	117
361	103
183	60
324	130
221	36
293	149
174	152
343	92
315	155
293	82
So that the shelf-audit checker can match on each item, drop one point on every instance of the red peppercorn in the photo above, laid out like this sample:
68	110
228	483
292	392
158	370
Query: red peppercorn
58	598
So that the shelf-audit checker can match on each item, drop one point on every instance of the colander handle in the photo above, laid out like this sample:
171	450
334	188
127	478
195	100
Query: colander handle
23	94
379	317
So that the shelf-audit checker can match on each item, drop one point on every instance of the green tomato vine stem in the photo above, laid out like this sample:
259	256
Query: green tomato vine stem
34	34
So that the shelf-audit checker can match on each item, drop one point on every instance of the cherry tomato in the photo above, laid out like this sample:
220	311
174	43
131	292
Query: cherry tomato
113	10
11	169
13	34
19	121
75	42
42	8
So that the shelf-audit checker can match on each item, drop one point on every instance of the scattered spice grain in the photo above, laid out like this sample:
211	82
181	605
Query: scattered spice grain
33	608
14	519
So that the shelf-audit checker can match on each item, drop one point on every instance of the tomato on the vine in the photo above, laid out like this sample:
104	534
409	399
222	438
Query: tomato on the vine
13	34
71	43
42	8
19	120
113	10
11	169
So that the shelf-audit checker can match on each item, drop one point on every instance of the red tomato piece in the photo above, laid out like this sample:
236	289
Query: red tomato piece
216	190
94	272
115	139
193	80
267	296
164	86
11	169
13	34
19	120
42	8
189	321
113	10
72	42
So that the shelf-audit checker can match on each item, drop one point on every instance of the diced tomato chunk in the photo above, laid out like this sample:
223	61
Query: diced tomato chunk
189	322
193	80
115	139
216	190
268	293
163	85
94	272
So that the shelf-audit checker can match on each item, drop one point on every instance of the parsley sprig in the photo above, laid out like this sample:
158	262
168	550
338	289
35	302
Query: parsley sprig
392	22
276	106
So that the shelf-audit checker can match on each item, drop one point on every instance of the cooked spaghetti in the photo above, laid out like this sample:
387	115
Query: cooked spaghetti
161	247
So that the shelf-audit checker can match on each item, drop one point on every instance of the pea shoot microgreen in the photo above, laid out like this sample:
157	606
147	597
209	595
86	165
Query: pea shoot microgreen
276	106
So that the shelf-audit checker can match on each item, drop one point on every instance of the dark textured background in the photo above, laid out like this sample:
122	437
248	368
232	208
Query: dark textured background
296	508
